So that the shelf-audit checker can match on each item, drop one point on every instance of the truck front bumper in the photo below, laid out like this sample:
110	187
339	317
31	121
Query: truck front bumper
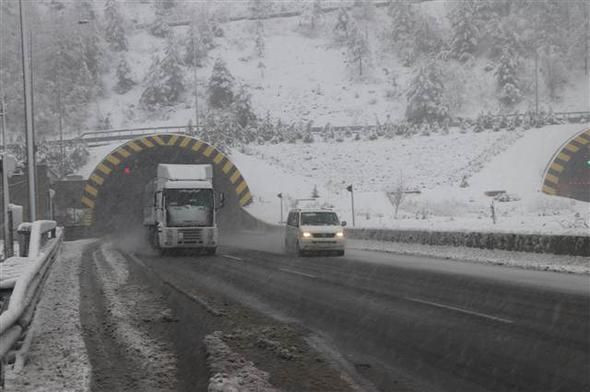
188	237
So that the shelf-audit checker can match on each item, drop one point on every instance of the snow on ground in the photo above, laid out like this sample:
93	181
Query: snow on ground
434	165
230	371
12	268
57	360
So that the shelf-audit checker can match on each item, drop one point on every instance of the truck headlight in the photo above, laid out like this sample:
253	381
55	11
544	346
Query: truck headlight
306	234
340	234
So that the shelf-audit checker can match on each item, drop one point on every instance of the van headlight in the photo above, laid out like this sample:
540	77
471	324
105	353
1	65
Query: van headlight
306	234
340	234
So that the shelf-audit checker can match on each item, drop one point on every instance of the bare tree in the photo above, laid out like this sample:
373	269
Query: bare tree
398	195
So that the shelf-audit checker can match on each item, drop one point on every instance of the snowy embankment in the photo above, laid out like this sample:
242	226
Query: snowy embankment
57	359
435	165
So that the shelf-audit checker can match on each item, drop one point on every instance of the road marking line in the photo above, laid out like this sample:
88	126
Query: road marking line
232	257
449	307
298	273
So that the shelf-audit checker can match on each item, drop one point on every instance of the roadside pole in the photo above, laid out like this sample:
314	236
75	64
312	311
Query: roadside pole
7	166
280	196
351	190
29	118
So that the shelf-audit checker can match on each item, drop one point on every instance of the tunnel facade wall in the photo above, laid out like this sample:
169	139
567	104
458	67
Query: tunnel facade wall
109	175
568	173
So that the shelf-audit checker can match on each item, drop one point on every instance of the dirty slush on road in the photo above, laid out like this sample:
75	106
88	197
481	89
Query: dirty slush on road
144	333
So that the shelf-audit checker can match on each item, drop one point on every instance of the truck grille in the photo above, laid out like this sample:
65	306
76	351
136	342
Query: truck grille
323	235
191	236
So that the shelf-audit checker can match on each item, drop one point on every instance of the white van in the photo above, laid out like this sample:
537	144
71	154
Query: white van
314	230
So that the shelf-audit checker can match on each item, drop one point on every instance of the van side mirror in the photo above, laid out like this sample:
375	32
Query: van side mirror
220	200
343	223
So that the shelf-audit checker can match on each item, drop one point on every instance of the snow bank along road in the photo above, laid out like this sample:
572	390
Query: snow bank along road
400	323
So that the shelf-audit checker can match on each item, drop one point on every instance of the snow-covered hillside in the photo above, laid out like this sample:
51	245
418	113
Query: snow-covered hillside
436	166
302	77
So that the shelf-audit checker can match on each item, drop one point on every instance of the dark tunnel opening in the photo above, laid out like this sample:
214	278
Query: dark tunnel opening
119	202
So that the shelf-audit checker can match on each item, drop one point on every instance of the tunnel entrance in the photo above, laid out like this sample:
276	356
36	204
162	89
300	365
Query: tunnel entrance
568	173
113	193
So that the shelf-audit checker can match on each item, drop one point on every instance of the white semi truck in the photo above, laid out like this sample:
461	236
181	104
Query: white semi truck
180	206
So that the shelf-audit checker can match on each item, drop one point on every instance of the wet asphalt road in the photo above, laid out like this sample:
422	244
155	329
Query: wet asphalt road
413	323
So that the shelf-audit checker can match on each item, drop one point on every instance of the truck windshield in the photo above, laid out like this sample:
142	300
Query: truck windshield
319	218
189	207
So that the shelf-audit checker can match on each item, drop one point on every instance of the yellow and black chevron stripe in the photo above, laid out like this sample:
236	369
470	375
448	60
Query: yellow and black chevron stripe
560	161
198	147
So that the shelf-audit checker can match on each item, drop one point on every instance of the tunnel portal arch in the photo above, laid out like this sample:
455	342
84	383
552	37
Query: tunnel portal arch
125	170
568	172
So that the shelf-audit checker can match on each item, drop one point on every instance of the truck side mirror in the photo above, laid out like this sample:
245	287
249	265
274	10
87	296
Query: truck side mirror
343	223
220	200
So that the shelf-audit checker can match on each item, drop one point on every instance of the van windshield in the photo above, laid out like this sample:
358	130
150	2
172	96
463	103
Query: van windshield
319	218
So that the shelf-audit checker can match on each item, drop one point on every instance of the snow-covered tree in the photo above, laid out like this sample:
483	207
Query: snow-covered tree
425	95
402	30
125	80
164	85
259	39
465	32
311	16
509	92
342	26
194	48
242	108
221	85
163	7
114	31
554	70
159	27
358	49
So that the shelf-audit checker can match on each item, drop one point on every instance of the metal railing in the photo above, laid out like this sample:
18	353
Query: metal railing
44	243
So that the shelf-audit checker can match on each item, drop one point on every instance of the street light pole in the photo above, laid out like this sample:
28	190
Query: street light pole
28	119
351	190
193	38
280	196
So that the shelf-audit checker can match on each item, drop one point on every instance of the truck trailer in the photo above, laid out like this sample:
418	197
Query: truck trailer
180	206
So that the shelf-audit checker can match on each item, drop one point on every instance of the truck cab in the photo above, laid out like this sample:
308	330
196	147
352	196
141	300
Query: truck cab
180	208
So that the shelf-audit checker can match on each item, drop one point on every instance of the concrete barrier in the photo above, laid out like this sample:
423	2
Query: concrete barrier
535	243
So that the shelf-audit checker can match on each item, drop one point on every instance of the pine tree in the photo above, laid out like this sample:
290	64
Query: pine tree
259	39
195	50
465	32
242	108
311	17
221	85
358	49
125	81
164	6
341	29
403	22
114	32
425	96
160	28
165	79
507	79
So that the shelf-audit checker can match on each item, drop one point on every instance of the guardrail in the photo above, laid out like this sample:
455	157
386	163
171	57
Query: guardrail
44	243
